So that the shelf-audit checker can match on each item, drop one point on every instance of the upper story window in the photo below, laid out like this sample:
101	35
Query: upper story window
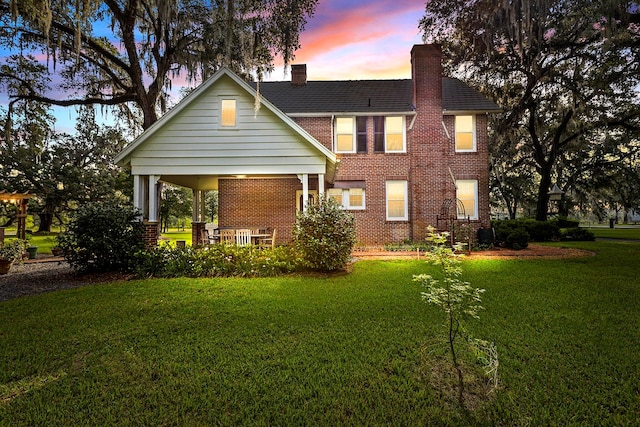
345	131
465	133
389	134
467	194
228	113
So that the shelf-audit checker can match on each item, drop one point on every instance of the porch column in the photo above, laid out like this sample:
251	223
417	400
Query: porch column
320	185
197	218
195	207
153	198
138	193
304	178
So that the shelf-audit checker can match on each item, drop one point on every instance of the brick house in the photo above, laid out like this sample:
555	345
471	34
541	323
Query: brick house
398	154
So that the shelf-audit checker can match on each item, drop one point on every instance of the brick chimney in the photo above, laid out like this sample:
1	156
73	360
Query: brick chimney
299	74
426	73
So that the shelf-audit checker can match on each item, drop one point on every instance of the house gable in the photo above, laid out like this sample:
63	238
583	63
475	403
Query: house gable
190	140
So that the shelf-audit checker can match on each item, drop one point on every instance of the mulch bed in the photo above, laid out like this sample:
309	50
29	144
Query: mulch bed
531	252
51	274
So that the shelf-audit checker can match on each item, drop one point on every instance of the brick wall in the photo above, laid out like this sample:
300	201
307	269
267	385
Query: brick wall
150	235
253	203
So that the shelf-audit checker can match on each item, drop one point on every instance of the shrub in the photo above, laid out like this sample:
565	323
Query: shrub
102	237
518	239
324	235
577	234
216	261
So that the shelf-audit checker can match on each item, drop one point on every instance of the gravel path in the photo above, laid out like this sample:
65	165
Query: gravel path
35	278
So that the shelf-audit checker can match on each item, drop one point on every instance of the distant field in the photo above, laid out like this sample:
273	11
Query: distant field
621	232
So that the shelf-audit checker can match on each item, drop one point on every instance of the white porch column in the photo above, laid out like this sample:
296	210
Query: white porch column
138	193
320	185
203	206
195	211
153	198
304	179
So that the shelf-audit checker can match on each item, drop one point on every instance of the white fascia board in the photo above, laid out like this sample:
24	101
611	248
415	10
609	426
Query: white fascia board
359	114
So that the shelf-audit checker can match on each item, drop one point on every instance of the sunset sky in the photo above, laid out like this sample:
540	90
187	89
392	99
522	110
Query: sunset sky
345	40
352	40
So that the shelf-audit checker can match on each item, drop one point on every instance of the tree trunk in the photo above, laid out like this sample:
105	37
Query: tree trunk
46	219
543	194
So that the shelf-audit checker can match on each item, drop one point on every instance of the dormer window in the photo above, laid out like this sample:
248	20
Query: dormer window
465	133
228	114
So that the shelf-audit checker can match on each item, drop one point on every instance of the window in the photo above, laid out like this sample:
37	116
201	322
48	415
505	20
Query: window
465	134
388	134
394	135
361	127
345	135
378	134
397	209
228	113
467	194
349	198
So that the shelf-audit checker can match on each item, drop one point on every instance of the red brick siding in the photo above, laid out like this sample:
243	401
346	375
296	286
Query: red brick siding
256	203
150	234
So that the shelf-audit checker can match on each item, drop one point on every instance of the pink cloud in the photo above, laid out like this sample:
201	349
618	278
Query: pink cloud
360	40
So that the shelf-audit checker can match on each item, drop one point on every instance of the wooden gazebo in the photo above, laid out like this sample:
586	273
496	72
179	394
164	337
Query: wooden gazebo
21	200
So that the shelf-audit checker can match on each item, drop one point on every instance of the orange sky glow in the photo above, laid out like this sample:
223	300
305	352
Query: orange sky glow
354	40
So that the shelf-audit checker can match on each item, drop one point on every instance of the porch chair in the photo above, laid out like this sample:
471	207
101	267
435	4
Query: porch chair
228	236
243	237
268	242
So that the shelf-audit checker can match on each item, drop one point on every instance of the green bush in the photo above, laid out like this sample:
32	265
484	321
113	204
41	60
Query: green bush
216	261
577	234
324	235
538	231
518	239
102	237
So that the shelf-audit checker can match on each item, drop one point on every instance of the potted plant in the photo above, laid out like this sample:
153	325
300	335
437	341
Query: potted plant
10	252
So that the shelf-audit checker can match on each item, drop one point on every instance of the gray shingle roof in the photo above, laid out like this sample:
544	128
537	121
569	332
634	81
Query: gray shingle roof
366	96
457	96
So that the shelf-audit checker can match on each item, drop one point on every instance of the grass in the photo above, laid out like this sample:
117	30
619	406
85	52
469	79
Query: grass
350	349
621	232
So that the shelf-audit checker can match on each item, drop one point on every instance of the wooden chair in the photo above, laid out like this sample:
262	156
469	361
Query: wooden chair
268	242
243	237
228	236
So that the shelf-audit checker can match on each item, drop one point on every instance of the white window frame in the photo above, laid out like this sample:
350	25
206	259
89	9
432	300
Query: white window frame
463	182
353	135
473	134
404	135
346	198
405	216
236	116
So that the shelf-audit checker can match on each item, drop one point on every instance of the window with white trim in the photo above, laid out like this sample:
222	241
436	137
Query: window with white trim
394	134
349	198
345	135
467	194
396	200
228	113
465	133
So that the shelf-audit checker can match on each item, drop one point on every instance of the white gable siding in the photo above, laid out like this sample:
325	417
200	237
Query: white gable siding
193	143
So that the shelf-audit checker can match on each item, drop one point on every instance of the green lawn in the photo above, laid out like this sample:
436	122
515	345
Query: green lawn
620	232
350	349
